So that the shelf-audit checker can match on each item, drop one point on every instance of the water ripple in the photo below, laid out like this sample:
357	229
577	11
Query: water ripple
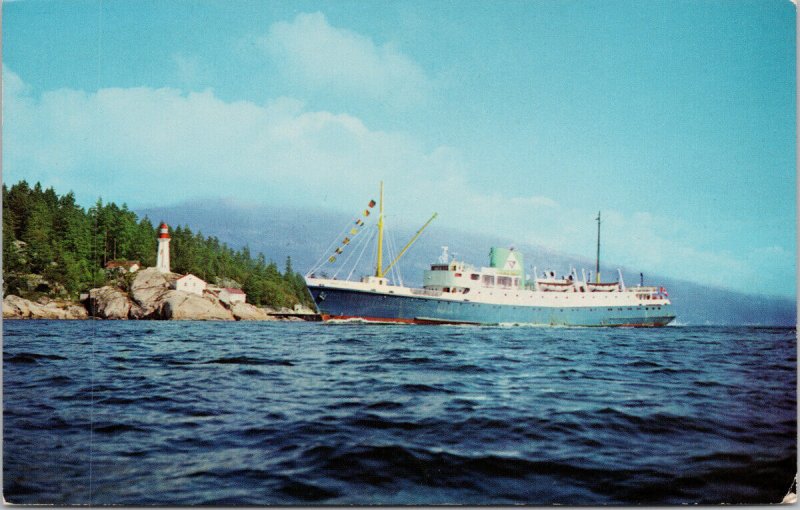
296	414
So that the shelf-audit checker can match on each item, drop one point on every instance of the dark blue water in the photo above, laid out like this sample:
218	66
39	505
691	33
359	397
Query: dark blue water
142	413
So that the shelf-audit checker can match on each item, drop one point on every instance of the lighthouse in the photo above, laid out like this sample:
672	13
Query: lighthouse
162	259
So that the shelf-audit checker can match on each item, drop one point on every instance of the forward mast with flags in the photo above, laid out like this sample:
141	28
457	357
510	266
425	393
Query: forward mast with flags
354	231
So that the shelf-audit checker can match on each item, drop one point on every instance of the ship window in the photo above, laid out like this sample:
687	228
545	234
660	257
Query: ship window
446	289
488	281
504	281
475	276
437	267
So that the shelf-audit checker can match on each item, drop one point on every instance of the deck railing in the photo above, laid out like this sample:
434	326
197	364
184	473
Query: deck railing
426	292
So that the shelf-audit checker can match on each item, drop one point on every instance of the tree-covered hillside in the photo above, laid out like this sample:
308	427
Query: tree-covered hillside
52	245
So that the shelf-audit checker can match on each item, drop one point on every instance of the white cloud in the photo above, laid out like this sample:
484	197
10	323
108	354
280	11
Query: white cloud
148	145
315	55
151	146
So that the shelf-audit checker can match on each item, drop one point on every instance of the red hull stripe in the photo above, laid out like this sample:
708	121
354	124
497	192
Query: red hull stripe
327	318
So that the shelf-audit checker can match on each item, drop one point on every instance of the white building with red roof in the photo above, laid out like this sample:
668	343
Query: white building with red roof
231	295
190	283
130	266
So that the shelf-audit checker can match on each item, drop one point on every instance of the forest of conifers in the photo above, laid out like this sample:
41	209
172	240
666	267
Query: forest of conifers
51	236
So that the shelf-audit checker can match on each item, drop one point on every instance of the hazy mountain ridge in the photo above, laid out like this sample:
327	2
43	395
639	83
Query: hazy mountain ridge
305	235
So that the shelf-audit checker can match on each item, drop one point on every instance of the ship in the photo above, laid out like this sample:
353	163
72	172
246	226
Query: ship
455	292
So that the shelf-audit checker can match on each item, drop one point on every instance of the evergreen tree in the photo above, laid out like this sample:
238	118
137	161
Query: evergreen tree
54	237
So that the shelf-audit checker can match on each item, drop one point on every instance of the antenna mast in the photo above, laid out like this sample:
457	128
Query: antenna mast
597	265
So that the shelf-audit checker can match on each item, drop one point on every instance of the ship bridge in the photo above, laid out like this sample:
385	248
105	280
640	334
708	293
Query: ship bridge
504	272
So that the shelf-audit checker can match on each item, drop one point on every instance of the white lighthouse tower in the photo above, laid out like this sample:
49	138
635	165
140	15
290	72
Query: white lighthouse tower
162	259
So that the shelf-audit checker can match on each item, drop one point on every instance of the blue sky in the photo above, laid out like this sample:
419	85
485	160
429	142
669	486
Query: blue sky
521	118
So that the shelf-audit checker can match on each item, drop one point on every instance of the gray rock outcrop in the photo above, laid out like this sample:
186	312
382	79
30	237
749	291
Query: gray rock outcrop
15	307
109	303
152	298
76	311
147	291
177	305
248	312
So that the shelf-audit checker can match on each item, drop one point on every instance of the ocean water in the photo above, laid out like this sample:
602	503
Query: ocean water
181	413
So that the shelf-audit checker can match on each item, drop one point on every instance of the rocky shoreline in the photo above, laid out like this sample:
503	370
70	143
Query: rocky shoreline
148	297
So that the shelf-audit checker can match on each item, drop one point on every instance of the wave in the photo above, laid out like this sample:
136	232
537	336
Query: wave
385	405
30	357
643	364
424	388
245	360
116	428
375	422
304	414
304	491
677	324
395	464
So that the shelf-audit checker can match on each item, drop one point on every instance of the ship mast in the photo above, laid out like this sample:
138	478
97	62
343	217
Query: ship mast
597	265
379	265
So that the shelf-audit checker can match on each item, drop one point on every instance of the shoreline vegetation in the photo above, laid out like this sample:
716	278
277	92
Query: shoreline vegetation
56	259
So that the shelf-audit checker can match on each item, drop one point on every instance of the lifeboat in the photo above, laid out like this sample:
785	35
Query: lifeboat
603	287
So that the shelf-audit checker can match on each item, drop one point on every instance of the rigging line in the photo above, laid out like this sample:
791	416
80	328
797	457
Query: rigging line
371	235
388	236
389	249
397	267
393	250
362	245
394	269
353	249
350	253
321	262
